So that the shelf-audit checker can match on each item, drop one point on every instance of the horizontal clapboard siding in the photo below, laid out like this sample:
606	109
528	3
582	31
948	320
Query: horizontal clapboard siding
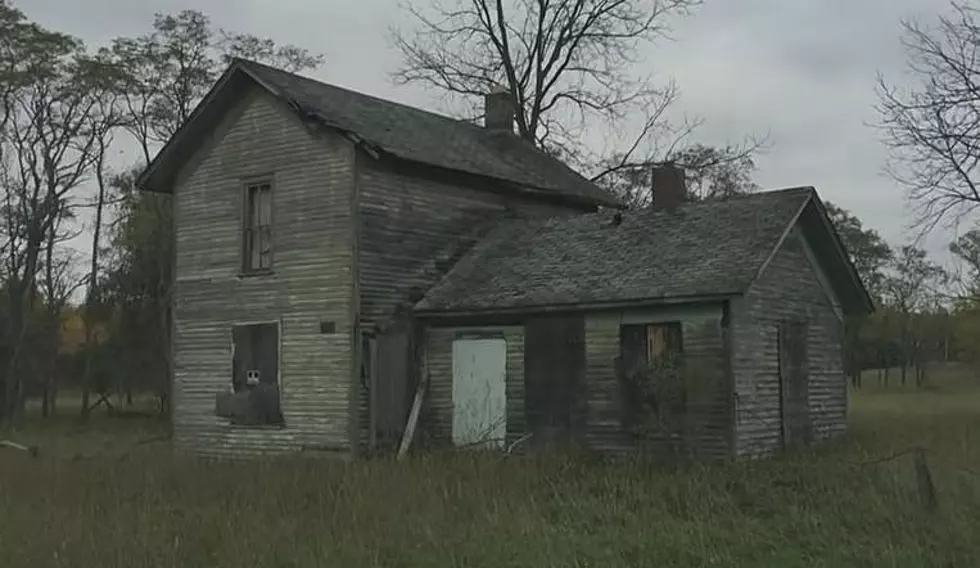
412	227
313	177
707	427
413	224
436	421
789	288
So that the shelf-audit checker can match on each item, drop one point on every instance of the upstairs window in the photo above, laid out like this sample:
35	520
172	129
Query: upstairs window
257	227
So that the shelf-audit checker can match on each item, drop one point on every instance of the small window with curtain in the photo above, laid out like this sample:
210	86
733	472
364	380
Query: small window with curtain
257	227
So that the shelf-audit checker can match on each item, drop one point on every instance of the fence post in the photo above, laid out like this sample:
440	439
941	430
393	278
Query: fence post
923	479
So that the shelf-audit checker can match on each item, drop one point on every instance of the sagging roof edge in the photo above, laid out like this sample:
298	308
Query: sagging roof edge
155	179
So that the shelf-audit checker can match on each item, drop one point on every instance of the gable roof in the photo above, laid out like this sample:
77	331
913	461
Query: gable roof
384	127
699	250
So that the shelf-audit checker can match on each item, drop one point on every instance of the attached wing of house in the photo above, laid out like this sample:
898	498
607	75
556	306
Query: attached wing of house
697	251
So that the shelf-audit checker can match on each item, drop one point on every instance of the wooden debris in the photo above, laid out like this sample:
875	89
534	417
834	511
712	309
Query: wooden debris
32	450
413	420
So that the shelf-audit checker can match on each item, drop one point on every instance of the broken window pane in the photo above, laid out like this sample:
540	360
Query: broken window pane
255	373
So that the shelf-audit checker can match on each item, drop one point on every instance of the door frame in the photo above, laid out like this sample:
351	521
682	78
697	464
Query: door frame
498	340
795	429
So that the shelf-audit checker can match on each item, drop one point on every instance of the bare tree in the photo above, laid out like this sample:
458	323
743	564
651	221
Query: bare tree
569	66
47	154
710	173
563	61
169	70
55	289
165	74
106	118
932	128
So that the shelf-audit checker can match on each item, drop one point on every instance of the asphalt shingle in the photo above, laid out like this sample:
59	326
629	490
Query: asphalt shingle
698	249
421	136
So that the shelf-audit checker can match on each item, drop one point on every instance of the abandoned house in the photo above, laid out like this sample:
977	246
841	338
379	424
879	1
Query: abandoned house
353	274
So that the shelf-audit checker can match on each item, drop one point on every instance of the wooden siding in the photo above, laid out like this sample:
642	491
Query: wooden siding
788	288
436	420
412	226
708	423
311	281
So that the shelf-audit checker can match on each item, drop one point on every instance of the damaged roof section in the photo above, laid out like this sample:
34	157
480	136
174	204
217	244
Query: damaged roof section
696	250
390	128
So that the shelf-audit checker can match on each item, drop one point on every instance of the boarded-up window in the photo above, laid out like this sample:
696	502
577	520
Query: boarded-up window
651	357
257	227
255	372
256	358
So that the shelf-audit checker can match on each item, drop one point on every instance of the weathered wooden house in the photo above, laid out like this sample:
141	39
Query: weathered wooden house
339	256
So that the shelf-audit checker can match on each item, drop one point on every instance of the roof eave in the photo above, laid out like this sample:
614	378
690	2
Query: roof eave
864	304
159	173
435	313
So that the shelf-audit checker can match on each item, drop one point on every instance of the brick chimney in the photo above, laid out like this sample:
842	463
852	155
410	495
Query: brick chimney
668	185
498	109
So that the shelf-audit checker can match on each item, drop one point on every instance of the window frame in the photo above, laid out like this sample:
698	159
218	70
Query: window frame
279	380
246	227
633	410
247	323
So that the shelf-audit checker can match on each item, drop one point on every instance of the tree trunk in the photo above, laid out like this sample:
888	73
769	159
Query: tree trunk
93	281
21	297
52	336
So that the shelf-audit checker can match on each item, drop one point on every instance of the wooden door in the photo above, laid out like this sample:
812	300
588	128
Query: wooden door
794	383
479	392
554	379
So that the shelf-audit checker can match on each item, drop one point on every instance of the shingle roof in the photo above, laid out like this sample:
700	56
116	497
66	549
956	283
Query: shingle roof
421	136
698	249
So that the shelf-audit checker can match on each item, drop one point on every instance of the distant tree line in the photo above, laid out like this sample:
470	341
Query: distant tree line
66	111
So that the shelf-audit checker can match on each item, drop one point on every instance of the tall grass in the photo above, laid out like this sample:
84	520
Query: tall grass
827	507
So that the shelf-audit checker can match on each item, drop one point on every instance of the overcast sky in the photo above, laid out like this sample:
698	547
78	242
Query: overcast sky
801	70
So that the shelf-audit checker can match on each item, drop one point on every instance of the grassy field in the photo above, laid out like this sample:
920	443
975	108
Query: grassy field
131	505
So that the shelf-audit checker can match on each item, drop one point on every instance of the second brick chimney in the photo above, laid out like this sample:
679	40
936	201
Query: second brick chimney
498	109
669	188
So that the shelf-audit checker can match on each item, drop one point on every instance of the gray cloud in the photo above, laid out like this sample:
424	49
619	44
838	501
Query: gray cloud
802	70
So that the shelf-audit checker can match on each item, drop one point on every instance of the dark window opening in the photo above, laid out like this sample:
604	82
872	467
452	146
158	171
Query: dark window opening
255	376
652	379
257	228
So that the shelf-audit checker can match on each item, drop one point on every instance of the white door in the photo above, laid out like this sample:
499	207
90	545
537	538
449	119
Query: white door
479	394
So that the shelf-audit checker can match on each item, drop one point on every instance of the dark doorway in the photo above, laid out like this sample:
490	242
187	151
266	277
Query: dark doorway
554	379
390	359
794	384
